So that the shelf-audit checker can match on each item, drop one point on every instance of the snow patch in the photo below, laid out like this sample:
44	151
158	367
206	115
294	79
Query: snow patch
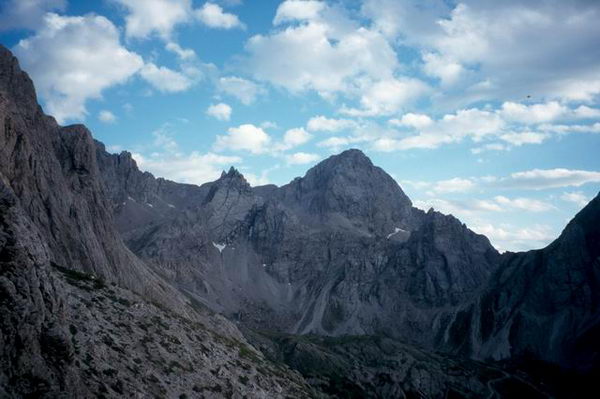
220	247
396	231
171	205
150	205
130	199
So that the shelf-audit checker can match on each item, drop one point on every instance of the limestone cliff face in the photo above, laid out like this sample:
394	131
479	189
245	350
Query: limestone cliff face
342	251
80	314
339	251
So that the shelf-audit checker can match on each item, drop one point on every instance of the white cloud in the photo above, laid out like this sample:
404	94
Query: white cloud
449	72
489	147
388	96
194	168
255	180
512	238
107	116
416	121
154	16
244	90
514	45
166	80
220	111
323	124
298	10
301	158
212	15
525	204
566	129
318	47
536	113
472	123
409	21
520	138
295	137
29	14
73	59
576	197
184	54
539	179
244	138
268	125
455	185
338	143
585	112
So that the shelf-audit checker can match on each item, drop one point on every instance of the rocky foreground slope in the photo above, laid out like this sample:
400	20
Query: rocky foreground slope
113	283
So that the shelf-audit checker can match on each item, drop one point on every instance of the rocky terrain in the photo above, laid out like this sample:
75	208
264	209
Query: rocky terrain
114	283
80	315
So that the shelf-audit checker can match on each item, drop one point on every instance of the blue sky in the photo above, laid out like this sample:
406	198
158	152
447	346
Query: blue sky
487	110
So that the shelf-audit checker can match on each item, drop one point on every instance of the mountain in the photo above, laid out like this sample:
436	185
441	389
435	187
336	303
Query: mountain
117	283
339	251
80	314
544	304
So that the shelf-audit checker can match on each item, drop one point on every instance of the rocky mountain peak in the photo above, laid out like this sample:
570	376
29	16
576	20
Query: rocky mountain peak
348	185
233	173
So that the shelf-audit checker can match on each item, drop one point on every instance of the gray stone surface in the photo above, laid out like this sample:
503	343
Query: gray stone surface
80	315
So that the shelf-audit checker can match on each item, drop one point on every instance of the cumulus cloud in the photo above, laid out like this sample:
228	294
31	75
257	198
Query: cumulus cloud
185	54
193	168
317	46
28	14
219	111
107	116
301	158
536	113
417	121
294	137
471	123
510	125
245	137
515	45
521	138
212	15
323	124
154	16
388	96
454	185
164	158
73	59
244	90
165	79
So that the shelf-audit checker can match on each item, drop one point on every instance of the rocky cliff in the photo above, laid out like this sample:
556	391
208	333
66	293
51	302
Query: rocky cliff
80	314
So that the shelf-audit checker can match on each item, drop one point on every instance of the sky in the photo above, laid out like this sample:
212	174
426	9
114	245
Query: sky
487	110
